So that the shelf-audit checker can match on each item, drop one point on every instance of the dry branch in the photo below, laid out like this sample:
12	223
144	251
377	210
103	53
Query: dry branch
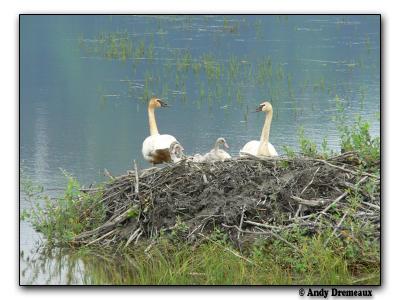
242	197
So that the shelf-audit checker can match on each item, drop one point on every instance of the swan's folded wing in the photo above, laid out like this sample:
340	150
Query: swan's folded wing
156	142
250	148
160	156
222	155
163	141
211	156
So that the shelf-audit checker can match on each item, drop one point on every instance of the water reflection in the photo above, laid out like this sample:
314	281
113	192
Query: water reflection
84	267
51	267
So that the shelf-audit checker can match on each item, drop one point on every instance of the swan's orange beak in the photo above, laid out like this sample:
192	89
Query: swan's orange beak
226	145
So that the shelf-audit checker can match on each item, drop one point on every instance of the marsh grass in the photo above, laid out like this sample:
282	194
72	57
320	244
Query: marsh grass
356	137
60	219
216	262
188	70
236	72
307	146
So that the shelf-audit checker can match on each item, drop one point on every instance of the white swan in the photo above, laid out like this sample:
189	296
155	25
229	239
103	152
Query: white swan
155	148
216	153
261	147
176	151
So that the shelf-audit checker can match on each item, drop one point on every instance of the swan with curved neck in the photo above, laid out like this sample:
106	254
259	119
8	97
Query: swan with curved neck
262	147
216	153
156	147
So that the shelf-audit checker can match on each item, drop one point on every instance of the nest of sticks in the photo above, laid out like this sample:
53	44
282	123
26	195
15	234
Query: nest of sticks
245	198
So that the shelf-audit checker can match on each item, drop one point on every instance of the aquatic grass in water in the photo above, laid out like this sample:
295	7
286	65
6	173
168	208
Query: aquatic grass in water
236	72
214	71
358	138
216	262
61	219
307	147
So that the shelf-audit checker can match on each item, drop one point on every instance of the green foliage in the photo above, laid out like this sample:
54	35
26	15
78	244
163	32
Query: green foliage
325	152
357	138
216	262
133	212
289	151
353	137
284	164
219	236
307	147
61	219
179	231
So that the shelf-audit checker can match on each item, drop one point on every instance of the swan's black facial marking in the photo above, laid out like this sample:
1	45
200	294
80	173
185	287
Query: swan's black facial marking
162	103
260	107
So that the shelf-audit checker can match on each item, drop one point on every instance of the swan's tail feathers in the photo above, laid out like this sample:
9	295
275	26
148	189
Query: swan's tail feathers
160	156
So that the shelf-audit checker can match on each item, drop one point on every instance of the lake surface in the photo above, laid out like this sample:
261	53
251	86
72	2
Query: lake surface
86	80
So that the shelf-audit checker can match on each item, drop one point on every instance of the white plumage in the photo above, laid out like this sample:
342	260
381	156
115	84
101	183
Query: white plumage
219	154
156	142
262	147
156	147
216	153
196	158
252	148
176	151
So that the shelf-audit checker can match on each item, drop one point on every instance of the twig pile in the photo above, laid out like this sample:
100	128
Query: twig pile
245	198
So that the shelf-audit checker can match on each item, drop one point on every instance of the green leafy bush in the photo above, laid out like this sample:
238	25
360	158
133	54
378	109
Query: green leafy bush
61	219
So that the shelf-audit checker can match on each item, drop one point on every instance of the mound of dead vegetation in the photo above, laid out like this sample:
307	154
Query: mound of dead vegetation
244	198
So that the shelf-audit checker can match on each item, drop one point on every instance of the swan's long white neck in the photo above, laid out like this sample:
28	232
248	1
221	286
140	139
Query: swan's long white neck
152	121
264	140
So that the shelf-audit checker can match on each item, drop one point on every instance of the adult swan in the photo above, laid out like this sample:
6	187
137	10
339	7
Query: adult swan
262	147
156	147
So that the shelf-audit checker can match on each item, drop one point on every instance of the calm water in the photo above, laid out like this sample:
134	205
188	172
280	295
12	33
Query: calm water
85	81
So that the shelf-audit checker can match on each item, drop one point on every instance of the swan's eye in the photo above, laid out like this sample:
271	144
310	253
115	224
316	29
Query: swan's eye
162	103
260	107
